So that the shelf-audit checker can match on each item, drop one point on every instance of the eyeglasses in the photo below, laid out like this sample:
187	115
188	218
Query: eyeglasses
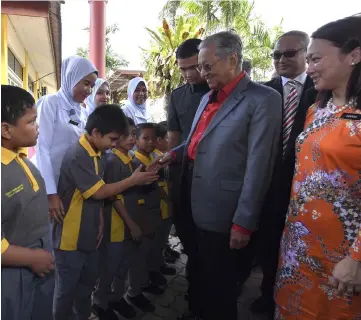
277	55
207	67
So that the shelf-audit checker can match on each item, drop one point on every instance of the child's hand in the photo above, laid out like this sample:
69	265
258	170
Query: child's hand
154	165
42	262
56	208
135	231
140	177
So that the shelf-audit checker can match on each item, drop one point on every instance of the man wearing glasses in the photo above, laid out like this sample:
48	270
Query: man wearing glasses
296	89
227	163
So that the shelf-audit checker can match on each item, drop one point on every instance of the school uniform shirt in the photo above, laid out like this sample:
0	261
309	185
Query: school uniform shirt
118	168
24	204
163	185
61	121
148	198
81	176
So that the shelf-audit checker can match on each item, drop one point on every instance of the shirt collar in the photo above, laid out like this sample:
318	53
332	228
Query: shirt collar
199	87
228	88
126	158
301	79
86	145
158	152
145	160
7	155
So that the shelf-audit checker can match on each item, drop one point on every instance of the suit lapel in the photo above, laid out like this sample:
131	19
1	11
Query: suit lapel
228	105
203	104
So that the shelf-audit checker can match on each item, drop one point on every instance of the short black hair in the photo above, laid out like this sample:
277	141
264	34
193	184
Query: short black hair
247	66
106	119
141	126
303	37
188	48
131	121
14	102
161	129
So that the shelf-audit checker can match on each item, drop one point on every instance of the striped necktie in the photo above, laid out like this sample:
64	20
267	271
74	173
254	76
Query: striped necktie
290	110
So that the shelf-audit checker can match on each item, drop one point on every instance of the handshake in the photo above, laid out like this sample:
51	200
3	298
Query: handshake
146	175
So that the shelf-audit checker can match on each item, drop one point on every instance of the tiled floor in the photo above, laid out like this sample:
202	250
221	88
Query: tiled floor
171	304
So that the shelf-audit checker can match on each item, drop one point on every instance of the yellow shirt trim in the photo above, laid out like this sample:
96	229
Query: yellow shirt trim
142	158
4	245
87	194
7	156
126	158
117	227
86	145
158	152
72	222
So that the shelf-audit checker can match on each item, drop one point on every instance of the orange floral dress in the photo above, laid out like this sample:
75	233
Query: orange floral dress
324	218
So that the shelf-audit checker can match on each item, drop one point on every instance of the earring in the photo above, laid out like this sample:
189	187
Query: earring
352	63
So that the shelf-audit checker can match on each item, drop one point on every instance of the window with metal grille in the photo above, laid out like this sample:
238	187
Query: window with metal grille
15	65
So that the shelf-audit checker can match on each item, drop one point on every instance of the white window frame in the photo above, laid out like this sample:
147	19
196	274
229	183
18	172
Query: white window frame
14	80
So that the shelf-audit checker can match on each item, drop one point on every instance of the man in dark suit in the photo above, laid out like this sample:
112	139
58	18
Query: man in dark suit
298	94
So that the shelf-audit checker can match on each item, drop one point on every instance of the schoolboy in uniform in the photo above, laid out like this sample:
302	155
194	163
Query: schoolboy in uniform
162	146
27	278
119	245
156	264
82	190
149	218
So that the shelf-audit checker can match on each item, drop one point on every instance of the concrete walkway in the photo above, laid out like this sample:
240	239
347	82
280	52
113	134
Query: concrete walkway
172	304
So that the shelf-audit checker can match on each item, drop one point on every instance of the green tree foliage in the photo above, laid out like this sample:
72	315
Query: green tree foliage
113	61
162	72
181	19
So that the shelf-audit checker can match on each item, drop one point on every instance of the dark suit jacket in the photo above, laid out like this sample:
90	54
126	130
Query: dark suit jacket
278	195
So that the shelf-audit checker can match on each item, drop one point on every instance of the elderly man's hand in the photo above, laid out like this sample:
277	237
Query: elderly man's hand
238	239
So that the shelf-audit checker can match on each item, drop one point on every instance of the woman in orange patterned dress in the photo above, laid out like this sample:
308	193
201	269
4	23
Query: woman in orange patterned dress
319	274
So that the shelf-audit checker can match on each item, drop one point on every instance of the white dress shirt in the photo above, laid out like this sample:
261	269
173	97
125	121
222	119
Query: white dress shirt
60	126
300	82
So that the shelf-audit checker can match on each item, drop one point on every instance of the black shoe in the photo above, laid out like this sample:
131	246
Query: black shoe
262	304
102	314
171	252
157	278
153	289
188	316
142	303
123	308
168	270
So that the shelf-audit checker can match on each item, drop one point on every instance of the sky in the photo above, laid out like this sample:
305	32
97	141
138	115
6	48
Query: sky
133	16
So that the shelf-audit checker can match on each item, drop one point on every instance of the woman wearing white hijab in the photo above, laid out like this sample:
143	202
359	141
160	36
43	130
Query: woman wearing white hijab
100	95
62	120
136	107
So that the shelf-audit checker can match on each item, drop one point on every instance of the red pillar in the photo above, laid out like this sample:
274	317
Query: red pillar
97	35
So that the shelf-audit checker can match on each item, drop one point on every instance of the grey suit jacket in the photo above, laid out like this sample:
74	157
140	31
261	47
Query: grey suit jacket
235	157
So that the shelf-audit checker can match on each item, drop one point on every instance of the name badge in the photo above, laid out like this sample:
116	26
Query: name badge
351	116
74	123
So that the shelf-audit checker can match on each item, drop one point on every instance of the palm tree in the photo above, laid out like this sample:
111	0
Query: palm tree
162	73
238	15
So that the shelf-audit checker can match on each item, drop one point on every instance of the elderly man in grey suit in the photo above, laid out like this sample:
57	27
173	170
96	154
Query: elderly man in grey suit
227	164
